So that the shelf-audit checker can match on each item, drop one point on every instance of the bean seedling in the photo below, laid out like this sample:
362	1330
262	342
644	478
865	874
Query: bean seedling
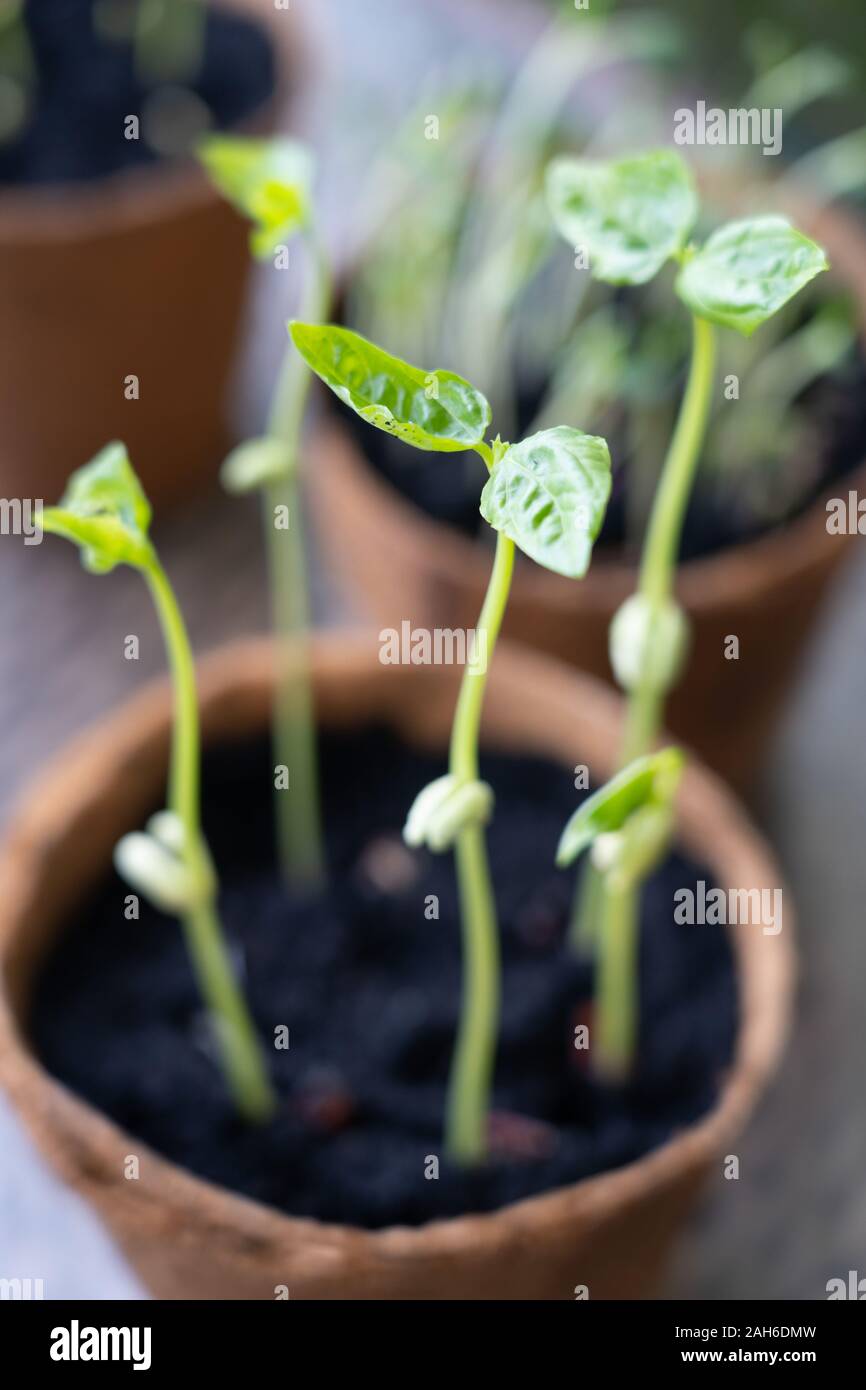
632	216
105	511
270	182
547	495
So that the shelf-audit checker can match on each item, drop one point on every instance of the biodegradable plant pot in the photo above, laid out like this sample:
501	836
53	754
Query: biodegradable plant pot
141	273
767	591
190	1239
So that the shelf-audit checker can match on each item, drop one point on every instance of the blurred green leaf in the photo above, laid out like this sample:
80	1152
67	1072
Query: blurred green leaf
630	215
104	511
269	181
254	464
650	781
811	74
747	271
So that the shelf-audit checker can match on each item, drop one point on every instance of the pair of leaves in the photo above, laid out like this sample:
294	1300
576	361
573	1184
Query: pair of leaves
633	215
647	785
548	494
104	510
269	181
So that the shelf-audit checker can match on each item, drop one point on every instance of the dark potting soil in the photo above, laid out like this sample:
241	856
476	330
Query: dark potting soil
87	86
368	987
447	487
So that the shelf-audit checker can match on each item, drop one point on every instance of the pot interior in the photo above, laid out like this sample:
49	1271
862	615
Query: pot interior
363	983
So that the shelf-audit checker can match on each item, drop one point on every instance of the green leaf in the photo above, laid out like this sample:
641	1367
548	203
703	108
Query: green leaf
747	271
432	410
548	494
105	511
268	181
630	216
648	781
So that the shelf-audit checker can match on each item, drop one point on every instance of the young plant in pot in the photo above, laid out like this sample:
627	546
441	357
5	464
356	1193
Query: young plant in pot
101	206
350	1167
545	495
106	513
786	433
270	182
631	217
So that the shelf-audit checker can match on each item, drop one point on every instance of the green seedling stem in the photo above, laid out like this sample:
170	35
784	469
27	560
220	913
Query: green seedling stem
106	513
236	1039
298	809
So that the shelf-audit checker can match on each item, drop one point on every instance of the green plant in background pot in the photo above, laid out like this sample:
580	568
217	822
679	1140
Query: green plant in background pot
169	38
270	182
17	69
105	511
546	495
632	216
458	259
463	266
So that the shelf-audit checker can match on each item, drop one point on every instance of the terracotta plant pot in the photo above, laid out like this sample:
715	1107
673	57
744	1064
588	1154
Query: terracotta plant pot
767	592
143	273
189	1239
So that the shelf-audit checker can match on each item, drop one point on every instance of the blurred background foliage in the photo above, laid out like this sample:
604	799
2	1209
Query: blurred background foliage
459	262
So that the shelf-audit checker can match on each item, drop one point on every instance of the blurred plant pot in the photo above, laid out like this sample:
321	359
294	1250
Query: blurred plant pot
143	273
767	592
189	1239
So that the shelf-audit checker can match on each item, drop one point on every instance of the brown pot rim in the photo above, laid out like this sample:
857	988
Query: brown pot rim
59	214
745	573
528	694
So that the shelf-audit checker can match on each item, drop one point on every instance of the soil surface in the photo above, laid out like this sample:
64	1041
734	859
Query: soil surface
366	979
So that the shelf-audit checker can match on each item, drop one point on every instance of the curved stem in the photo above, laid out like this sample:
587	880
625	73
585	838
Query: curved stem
658	564
184	772
463	759
661	548
242	1058
471	1076
298	810
616	910
289	403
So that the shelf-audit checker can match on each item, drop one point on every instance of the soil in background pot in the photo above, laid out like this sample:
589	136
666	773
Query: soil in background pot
367	982
87	86
449	491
